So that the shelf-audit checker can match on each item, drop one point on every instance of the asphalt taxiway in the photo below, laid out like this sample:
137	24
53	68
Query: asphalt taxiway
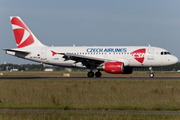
94	78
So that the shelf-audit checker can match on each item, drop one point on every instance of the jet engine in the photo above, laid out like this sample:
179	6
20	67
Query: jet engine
115	68
112	67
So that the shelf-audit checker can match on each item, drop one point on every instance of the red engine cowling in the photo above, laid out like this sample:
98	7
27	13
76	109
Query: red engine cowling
114	67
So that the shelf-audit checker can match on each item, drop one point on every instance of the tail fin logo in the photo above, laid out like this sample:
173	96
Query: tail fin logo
139	55
22	34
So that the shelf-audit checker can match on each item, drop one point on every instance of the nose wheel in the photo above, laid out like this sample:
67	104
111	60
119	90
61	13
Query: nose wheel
151	75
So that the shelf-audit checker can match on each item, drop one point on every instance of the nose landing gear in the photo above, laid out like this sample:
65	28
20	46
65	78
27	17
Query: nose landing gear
151	75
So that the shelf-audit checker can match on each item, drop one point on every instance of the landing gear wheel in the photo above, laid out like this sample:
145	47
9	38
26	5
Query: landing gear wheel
90	74
151	75
98	74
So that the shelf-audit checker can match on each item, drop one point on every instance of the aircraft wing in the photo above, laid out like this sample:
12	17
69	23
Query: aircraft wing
87	61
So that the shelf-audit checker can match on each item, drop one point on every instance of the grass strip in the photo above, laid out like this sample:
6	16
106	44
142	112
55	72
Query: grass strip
90	94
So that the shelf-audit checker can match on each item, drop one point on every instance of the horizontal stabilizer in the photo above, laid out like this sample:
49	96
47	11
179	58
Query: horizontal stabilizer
18	53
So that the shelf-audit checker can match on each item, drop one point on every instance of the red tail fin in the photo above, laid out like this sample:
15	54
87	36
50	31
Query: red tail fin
24	37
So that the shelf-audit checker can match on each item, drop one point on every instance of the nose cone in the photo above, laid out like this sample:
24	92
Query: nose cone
174	60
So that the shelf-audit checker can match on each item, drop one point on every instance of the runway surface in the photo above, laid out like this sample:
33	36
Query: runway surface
89	111
102	78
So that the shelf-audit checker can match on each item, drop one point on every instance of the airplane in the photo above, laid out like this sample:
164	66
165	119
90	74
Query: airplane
112	59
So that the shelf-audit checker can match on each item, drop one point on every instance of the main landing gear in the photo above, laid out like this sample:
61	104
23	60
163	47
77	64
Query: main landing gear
91	74
151	75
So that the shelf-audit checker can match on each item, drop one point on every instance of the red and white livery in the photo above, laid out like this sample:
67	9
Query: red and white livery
113	59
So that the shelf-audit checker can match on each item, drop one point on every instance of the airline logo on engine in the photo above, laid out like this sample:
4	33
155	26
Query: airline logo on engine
106	50
139	55
22	34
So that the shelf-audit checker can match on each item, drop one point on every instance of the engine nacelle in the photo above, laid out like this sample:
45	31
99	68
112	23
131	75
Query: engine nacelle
113	67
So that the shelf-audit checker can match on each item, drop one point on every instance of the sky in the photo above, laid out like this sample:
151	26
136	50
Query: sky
93	23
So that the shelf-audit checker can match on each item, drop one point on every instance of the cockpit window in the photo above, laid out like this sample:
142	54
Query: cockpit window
165	53
169	53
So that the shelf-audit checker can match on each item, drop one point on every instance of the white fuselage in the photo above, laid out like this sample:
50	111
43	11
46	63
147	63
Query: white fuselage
139	56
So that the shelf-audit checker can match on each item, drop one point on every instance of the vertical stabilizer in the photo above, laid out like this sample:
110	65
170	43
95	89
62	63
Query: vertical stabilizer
23	35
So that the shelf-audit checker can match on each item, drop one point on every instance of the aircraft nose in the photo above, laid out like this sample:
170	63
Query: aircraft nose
174	60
